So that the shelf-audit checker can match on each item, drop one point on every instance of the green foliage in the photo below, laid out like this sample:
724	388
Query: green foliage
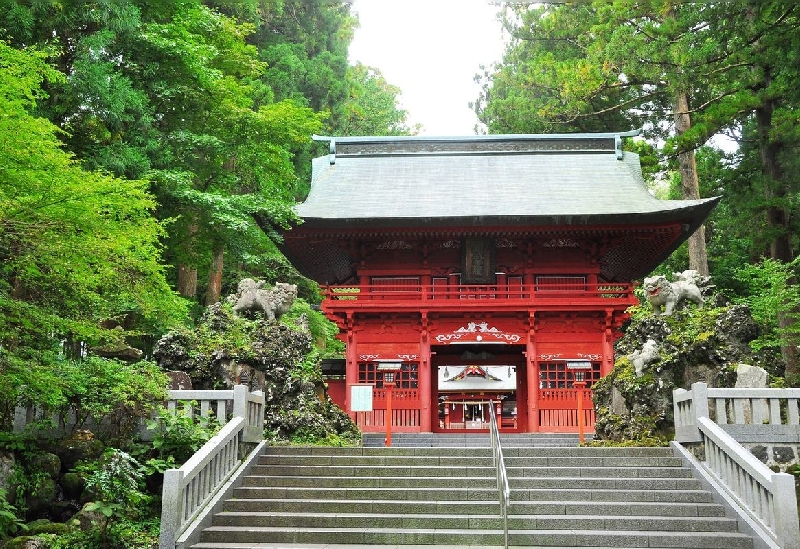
109	391
689	327
372	106
306	437
769	291
647	441
116	483
322	330
177	436
10	521
77	248
120	534
115	479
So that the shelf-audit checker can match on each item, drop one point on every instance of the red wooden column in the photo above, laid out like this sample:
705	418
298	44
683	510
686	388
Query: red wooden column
351	364
608	345
532	379
424	377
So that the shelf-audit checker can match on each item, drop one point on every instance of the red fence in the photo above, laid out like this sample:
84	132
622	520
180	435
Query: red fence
411	290
558	410
405	412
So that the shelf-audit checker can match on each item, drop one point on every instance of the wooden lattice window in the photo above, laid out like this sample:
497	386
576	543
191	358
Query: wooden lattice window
407	378
556	375
560	283
386	284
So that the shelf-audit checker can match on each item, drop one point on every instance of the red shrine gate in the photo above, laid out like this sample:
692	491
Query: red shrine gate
484	268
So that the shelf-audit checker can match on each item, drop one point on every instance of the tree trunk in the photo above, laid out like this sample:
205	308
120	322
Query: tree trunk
187	281
690	187
775	192
214	291
187	274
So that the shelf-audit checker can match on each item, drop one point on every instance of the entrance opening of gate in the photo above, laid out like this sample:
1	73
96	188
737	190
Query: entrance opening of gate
468	377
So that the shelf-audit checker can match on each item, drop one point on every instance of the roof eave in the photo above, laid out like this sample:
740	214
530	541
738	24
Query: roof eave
693	215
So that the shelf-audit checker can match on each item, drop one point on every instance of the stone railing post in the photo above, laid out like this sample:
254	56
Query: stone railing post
240	401
700	400
787	526
687	411
171	508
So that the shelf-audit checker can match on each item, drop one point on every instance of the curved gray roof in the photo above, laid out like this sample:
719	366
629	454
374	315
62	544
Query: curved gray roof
567	184
558	185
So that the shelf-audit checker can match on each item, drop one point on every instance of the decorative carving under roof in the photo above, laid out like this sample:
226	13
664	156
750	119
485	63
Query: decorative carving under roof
561	243
395	245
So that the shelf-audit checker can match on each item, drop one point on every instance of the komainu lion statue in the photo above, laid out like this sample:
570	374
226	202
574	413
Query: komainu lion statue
252	296
663	294
643	357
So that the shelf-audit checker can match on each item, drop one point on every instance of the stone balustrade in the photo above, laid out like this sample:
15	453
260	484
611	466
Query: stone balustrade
189	490
766	498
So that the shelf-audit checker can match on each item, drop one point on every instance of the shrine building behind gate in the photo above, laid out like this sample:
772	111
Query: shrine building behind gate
480	268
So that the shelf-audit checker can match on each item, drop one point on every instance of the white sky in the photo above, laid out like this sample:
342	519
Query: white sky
431	50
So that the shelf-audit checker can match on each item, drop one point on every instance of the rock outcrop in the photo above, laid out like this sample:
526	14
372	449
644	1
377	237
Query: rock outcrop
226	348
694	344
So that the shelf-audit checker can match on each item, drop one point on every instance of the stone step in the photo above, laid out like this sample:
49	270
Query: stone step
477	507
476	461
469	493
365	546
338	546
451	495
516	483
467	471
586	451
508	440
413	521
432	536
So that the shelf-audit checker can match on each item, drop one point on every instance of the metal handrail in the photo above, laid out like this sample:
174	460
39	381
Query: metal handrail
500	467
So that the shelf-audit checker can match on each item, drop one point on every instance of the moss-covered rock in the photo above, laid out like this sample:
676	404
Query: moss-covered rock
45	526
81	446
72	484
278	357
694	344
27	542
47	463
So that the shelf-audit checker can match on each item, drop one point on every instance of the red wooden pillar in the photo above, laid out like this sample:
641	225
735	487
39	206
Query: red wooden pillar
425	379
351	367
608	345
532	388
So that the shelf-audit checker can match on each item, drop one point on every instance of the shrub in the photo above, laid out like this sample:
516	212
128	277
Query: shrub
179	435
10	522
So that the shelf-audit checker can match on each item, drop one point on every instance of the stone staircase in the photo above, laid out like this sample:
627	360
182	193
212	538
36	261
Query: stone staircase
425	495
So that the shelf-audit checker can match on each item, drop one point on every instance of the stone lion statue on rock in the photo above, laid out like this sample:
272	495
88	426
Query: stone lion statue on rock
643	357
664	295
252	296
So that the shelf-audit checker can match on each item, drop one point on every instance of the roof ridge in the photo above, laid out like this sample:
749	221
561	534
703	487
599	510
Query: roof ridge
406	145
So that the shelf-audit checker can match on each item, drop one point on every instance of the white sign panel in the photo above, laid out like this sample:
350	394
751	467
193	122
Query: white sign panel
361	398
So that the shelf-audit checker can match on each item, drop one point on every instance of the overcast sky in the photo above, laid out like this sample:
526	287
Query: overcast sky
431	50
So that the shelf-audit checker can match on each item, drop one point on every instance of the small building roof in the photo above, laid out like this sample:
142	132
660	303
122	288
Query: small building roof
573	179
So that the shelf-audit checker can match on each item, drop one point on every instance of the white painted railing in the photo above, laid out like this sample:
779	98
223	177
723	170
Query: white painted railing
768	498
188	489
